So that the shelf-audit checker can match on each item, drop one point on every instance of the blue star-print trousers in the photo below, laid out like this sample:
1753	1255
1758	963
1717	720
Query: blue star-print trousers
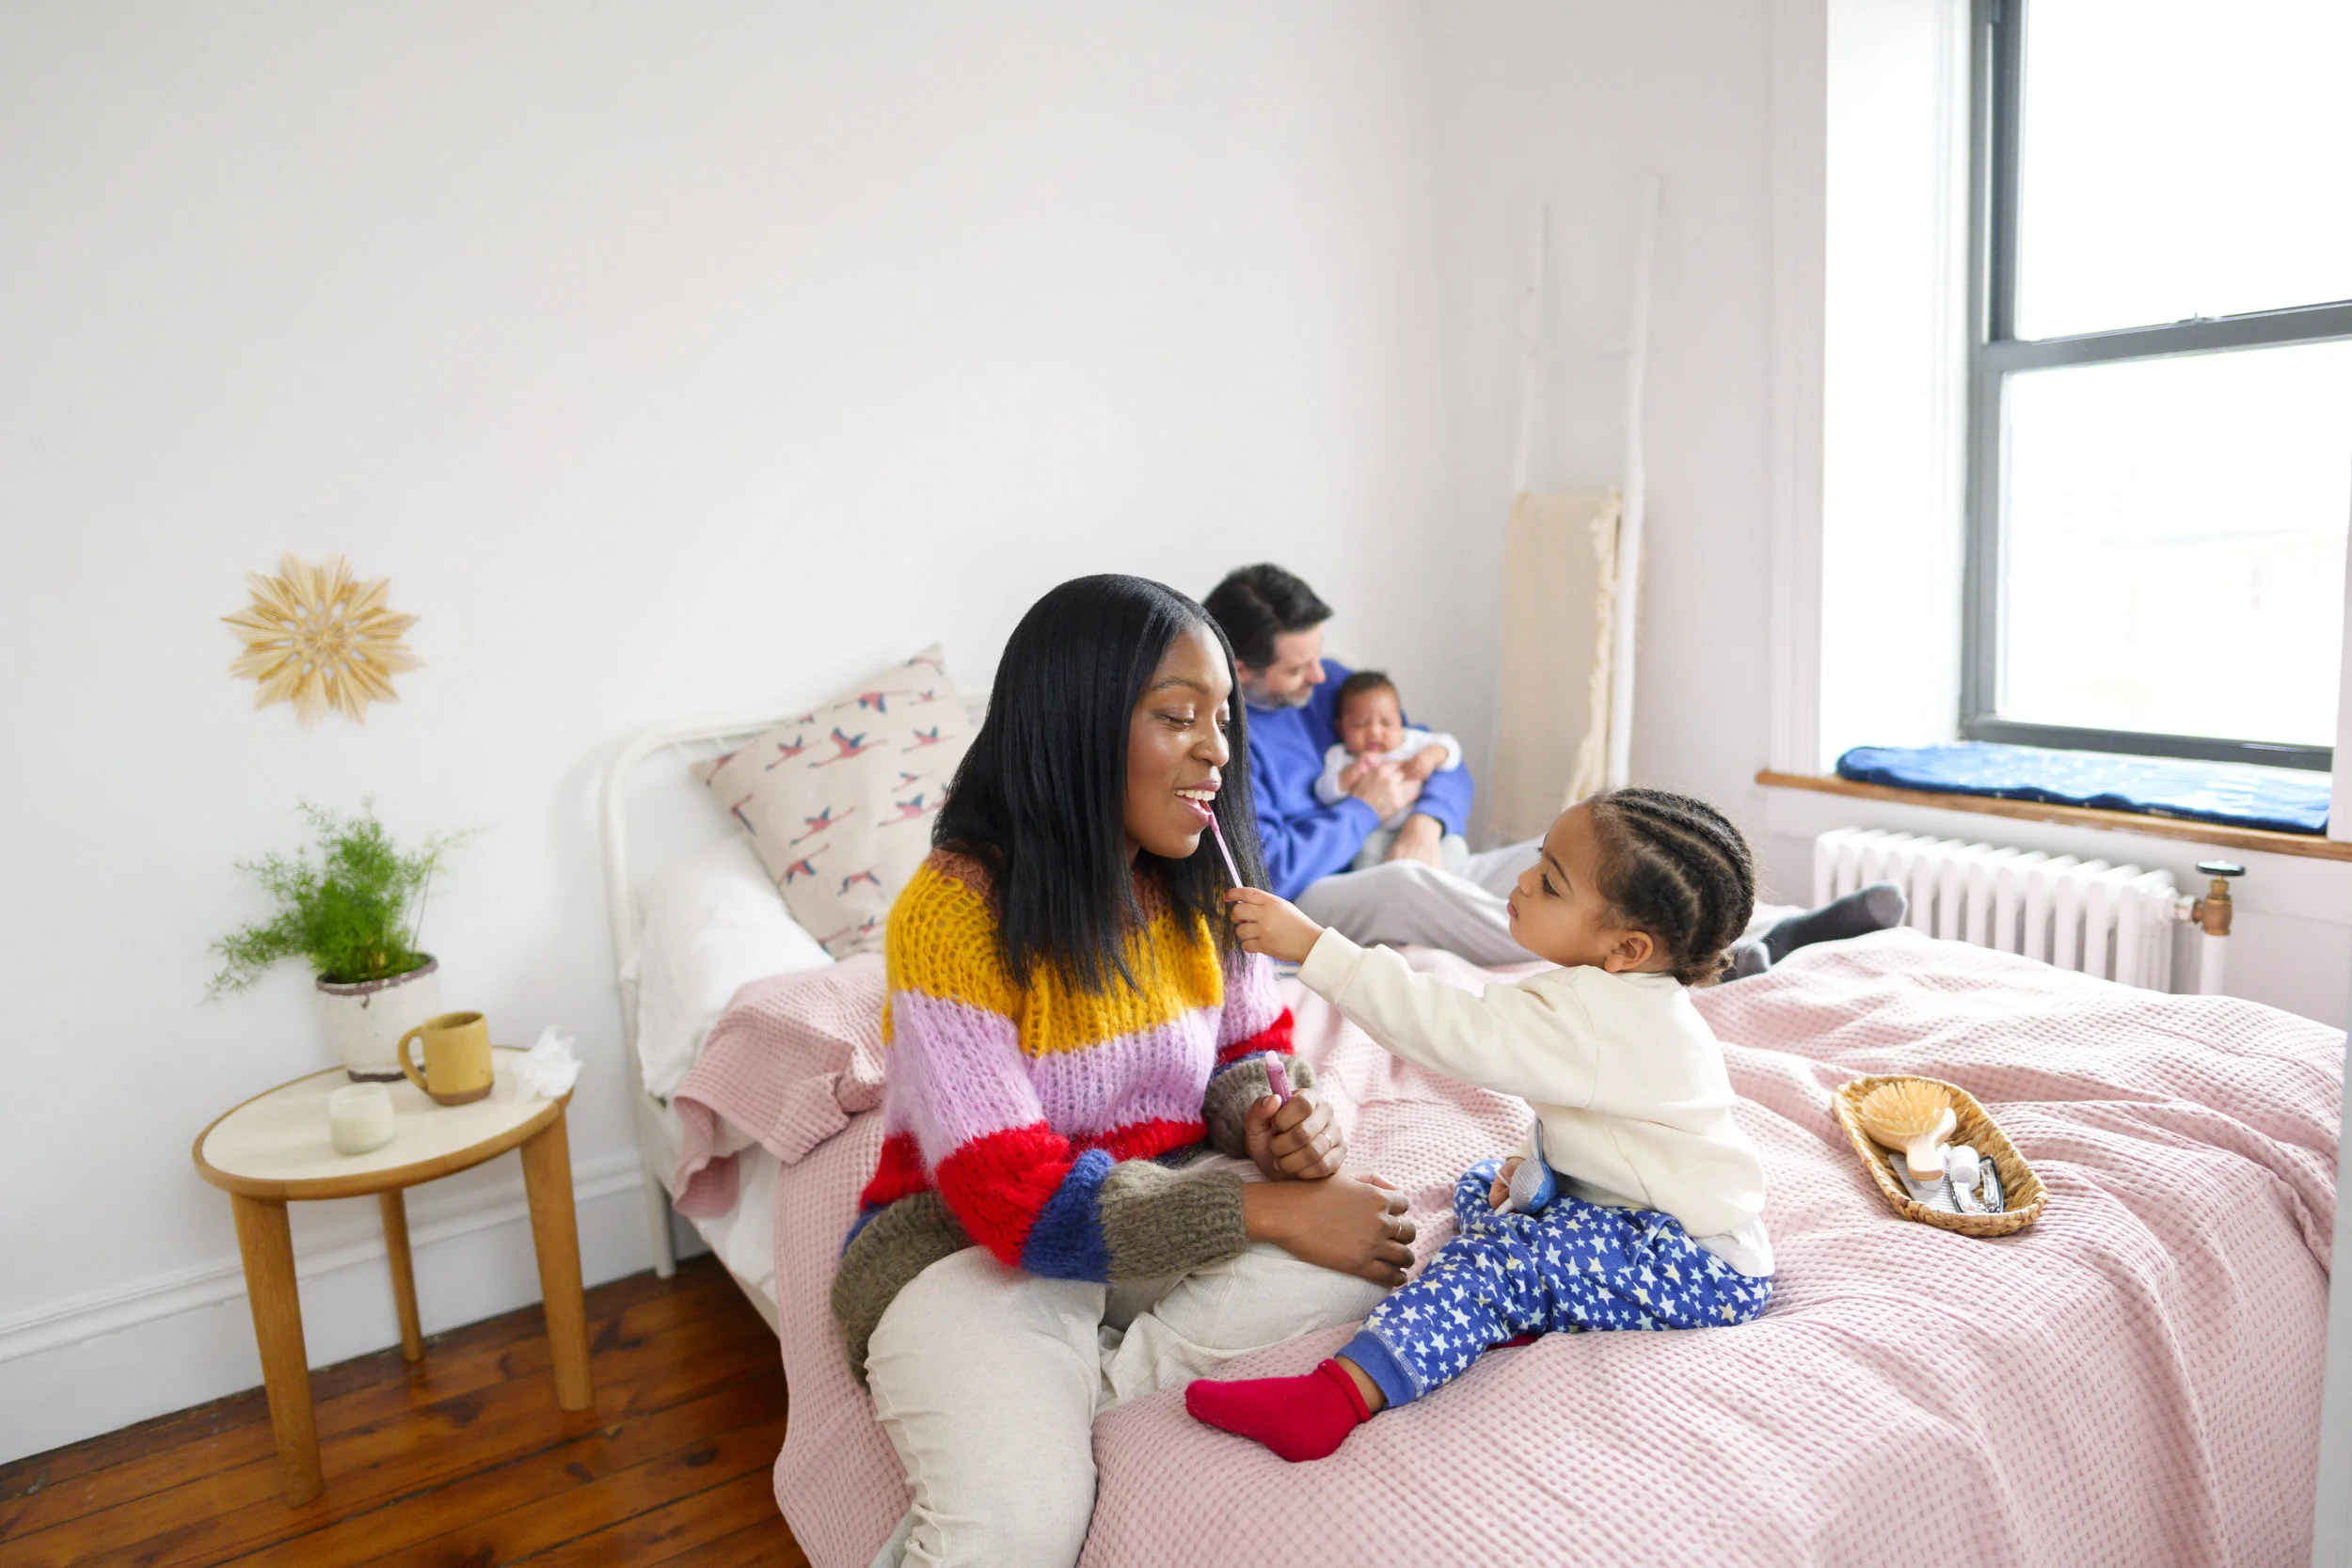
1574	1266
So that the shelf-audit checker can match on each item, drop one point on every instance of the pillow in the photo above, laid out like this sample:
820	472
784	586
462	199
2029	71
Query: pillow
840	800
713	924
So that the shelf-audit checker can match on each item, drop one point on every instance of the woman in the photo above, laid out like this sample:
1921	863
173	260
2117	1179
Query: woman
1085	1191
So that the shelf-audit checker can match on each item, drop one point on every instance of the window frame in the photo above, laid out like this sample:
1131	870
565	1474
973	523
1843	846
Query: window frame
1995	352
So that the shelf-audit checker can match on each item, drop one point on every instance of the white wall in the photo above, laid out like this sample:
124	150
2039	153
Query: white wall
1576	104
664	358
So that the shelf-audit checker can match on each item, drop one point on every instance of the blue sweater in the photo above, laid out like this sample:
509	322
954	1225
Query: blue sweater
1303	838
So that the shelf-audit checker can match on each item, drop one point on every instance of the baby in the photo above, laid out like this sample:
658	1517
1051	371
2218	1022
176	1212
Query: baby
1370	719
1636	1201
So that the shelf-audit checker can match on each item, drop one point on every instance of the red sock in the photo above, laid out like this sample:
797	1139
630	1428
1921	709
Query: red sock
1298	1418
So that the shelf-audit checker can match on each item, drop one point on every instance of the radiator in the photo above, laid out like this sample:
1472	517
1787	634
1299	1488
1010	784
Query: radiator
2112	921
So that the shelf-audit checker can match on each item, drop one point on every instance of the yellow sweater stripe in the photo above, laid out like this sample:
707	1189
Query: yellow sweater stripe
942	943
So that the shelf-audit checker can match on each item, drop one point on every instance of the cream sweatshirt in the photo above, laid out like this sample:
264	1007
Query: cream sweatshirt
1625	1076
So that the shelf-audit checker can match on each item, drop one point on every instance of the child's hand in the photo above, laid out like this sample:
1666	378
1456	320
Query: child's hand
1424	762
1270	925
1354	771
1499	1196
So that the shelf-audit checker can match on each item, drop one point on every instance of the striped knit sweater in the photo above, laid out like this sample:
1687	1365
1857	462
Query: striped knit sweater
1048	1125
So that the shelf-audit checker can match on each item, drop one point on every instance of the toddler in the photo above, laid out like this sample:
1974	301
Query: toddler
1370	718
1636	1201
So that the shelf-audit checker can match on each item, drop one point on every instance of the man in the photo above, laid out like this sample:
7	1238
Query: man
1275	623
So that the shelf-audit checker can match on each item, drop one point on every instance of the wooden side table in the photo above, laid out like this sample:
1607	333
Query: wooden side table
274	1150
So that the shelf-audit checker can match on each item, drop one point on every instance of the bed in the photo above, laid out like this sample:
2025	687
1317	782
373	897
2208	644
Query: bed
2135	1379
693	917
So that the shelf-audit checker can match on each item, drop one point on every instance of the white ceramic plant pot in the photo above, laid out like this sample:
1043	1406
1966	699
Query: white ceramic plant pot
364	1021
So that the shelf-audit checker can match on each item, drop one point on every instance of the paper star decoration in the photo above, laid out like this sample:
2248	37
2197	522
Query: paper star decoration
319	638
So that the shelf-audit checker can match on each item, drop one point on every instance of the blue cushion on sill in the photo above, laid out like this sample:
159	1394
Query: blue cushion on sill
2282	800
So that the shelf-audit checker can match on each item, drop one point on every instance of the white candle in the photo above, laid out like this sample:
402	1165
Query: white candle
359	1118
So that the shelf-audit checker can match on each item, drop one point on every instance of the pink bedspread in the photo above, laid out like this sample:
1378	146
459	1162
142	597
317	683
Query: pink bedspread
2134	1380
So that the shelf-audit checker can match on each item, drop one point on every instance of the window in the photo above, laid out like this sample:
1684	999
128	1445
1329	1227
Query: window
2160	408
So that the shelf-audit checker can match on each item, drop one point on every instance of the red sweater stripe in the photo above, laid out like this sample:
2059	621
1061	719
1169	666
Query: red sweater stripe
900	1173
998	1184
1145	1140
1274	1036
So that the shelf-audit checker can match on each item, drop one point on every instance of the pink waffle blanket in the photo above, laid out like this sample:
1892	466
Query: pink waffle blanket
2133	1380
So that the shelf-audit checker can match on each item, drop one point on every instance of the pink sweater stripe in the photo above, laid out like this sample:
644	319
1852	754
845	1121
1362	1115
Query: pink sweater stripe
1153	1073
1253	1001
957	1075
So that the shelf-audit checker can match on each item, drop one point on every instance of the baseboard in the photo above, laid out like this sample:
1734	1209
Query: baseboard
91	1364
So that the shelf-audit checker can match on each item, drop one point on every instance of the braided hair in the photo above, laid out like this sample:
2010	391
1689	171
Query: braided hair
1677	868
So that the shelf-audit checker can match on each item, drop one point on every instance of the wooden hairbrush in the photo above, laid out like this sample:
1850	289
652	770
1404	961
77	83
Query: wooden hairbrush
1914	1117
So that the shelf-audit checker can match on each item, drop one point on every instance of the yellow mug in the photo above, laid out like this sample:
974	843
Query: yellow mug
456	1057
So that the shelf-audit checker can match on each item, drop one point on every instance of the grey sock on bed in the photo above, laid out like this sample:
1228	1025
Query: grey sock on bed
1749	957
1865	910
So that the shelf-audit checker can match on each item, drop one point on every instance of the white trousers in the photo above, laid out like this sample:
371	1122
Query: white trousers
988	1380
1405	901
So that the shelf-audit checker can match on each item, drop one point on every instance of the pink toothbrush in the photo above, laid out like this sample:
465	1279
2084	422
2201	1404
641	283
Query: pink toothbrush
1231	869
1278	1079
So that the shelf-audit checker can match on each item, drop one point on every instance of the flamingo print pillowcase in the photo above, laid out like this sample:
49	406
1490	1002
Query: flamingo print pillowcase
838	801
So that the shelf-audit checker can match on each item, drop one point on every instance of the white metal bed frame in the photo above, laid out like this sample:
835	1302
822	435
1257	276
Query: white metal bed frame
703	735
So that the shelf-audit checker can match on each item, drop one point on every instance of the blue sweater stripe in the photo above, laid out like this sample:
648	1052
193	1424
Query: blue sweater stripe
1066	1242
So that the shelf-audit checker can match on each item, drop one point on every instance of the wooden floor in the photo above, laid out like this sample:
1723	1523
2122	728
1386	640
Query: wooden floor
462	1457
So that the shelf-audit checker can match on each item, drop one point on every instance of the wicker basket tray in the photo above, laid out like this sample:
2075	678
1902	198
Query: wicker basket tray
2020	1187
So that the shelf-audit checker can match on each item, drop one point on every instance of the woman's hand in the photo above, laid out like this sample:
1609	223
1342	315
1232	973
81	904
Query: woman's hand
1295	1141
1270	925
1499	1196
1353	1224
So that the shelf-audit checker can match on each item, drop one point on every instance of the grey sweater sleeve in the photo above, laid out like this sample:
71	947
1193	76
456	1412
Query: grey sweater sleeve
1233	1090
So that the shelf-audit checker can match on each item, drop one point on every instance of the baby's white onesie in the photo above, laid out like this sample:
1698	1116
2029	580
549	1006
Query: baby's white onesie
1336	760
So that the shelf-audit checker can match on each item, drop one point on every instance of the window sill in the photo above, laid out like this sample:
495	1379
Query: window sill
2309	845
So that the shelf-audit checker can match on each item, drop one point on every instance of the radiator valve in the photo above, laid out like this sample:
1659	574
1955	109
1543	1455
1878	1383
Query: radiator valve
2212	911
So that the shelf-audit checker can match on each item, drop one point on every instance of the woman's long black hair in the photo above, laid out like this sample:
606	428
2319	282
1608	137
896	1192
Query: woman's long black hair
1040	798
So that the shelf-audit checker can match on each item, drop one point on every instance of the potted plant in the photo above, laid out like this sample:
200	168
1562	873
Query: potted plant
353	917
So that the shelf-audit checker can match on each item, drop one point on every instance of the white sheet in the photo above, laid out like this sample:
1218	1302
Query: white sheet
744	1238
713	922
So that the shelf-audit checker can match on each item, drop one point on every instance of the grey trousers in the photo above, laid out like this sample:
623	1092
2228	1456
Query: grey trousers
1407	902
1453	852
